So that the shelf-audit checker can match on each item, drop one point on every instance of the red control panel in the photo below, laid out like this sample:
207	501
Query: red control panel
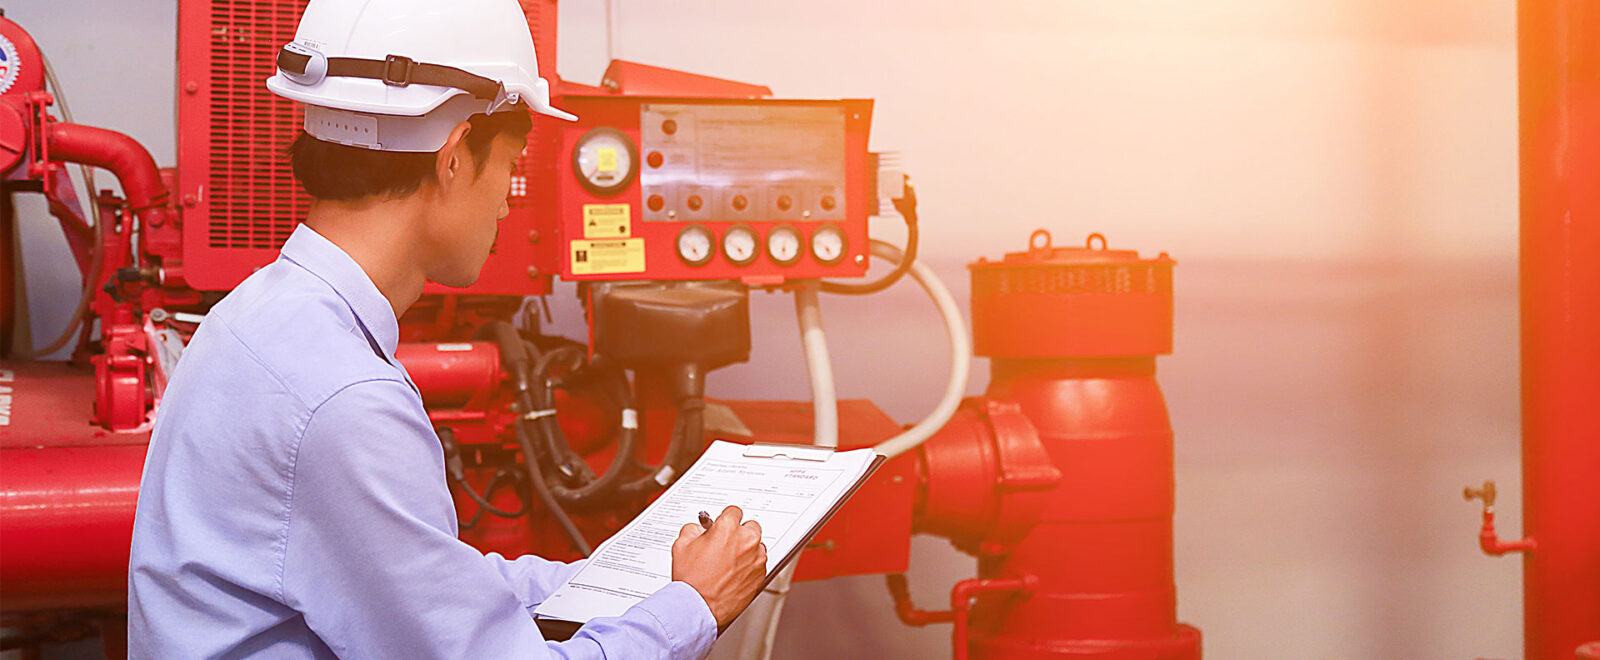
758	190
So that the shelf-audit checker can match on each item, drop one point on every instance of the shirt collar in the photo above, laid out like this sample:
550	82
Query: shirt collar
333	265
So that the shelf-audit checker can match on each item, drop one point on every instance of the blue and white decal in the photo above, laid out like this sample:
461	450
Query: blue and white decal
9	64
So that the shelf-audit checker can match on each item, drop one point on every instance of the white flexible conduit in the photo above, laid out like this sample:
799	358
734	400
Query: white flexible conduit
955	327
826	413
758	642
824	402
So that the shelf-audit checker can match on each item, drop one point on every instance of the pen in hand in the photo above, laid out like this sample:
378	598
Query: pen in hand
705	520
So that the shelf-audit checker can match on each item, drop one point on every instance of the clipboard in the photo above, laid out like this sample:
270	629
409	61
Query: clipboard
559	630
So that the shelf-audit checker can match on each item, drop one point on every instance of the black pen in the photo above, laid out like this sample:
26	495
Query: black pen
705	520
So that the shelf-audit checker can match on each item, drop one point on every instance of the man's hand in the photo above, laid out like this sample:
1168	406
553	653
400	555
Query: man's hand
726	564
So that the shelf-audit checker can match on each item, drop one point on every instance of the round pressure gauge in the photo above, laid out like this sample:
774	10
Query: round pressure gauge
696	245
784	245
828	244
741	245
605	161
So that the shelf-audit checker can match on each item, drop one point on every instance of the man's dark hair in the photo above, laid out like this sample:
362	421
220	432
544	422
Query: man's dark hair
336	172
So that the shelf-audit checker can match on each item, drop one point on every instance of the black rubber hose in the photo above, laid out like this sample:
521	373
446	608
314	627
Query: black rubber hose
515	356
543	490
600	491
568	465
907	206
688	435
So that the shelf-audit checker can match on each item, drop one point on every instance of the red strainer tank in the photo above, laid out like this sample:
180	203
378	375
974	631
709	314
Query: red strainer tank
1073	334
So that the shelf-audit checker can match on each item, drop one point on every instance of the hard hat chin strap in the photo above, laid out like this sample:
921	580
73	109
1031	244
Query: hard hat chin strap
307	66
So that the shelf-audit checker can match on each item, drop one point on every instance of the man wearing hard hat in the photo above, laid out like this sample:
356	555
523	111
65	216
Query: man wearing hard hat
293	503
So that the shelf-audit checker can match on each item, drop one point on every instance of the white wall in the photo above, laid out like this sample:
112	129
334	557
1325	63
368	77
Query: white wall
1336	179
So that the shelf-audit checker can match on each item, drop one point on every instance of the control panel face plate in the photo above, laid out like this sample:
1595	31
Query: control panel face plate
724	189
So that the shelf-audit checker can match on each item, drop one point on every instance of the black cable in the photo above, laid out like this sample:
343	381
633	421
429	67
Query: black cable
907	206
455	470
488	492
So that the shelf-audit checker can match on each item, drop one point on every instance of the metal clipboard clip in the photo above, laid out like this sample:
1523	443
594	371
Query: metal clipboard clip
792	452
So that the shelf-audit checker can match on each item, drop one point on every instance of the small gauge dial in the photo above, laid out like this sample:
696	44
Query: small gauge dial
784	245
741	245
696	245
605	161
828	244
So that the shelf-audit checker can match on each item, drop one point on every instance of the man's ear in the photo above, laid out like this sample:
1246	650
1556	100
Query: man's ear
451	161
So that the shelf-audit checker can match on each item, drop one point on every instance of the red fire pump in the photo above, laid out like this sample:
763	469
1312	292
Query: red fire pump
674	198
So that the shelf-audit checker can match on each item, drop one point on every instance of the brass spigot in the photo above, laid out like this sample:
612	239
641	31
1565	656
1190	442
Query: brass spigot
1486	493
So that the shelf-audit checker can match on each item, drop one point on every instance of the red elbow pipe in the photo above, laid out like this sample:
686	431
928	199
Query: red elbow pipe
123	156
1490	541
908	612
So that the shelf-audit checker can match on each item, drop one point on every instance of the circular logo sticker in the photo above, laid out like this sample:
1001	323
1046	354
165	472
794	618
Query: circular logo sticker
8	64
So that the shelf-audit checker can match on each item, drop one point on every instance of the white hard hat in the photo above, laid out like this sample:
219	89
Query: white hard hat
398	75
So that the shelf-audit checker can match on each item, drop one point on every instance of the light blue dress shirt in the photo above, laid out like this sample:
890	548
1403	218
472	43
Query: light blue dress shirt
294	501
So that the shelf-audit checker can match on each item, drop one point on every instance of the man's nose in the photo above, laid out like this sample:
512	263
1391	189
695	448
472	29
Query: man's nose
505	209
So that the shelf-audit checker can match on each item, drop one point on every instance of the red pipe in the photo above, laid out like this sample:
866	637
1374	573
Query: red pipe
908	612
1558	49
1491	543
66	519
963	592
123	156
961	596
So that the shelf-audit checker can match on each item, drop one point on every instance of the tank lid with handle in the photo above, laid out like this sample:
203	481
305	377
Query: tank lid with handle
1072	302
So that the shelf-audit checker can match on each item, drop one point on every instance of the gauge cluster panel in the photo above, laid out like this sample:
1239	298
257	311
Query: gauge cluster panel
762	191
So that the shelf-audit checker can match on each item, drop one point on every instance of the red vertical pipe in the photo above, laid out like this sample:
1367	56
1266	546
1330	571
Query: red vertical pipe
1558	48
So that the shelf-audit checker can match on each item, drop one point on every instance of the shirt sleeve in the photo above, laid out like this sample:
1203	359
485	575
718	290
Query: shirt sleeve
371	560
533	578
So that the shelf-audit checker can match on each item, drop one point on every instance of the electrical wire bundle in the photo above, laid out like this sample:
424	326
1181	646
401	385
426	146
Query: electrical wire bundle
907	207
561	478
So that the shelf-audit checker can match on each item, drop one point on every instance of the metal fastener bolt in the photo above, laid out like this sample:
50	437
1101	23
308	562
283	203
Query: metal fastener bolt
533	236
861	259
533	272
191	87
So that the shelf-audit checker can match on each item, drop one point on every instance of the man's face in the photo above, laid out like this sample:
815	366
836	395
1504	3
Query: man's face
466	223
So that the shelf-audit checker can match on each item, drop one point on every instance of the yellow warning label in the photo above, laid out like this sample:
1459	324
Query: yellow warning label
606	221
608	256
606	159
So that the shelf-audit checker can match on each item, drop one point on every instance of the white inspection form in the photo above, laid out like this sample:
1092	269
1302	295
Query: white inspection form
790	490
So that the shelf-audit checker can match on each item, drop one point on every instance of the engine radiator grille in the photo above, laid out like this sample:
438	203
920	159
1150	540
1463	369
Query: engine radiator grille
255	201
239	199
